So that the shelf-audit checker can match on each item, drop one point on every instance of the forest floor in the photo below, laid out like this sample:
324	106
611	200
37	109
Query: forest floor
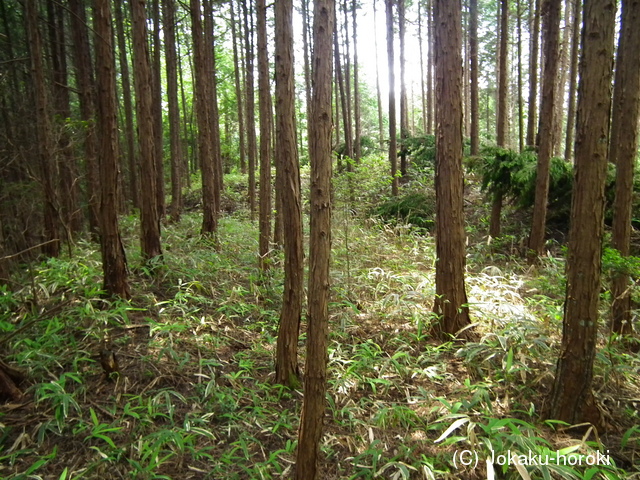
194	397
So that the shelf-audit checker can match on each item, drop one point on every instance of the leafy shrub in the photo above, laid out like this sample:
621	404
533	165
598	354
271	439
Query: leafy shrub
417	209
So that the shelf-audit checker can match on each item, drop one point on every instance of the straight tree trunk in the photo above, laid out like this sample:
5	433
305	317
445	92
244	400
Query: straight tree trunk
306	49
348	130
169	20
315	383
473	56
423	92
573	78
378	94
502	120
357	150
287	372
533	78
572	397
265	107
150	219
134	191
404	106
239	96
431	42
520	99
344	108
156	95
250	117
450	303
86	99
551	18
44	144
393	147
561	79
622	151
205	130
114	262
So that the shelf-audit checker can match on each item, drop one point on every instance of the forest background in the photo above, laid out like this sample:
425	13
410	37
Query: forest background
164	167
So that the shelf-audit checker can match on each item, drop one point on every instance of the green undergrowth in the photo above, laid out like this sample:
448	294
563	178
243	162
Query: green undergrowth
195	396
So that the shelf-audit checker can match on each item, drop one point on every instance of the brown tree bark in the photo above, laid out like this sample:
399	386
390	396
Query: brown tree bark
205	130
572	397
287	372
404	105
519	60
150	219
156	107
250	101
114	262
265	107
348	124
623	149
169	21
561	78
239	93
134	190
357	147
533	77
450	303
378	94
473	57
320	246
430	92
551	19
86	99
573	78
344	103
44	144
502	120
393	146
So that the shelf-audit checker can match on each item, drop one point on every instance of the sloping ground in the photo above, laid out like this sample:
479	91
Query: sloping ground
194	396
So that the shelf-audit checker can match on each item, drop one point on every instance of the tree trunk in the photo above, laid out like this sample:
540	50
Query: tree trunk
572	397
287	372
265	107
150	220
573	78
44	145
114	262
320	246
169	20
393	148
238	84
344	108
430	92
404	106
205	130
250	99
561	80
156	108
551	18
533	78
348	130
450	303
622	151
86	100
473	47
378	94
520	99
357	150
134	191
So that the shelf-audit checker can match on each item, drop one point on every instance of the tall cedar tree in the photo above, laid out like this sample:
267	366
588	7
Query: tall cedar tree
150	220
169	20
320	245
44	144
502	120
393	145
238	85
378	94
533	75
86	99
114	262
156	106
551	29
622	151
205	130
251	105
572	398
451	298
473	57
125	80
265	108
404	105
287	161
573	78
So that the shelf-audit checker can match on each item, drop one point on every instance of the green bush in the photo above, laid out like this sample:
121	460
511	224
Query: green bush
417	209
